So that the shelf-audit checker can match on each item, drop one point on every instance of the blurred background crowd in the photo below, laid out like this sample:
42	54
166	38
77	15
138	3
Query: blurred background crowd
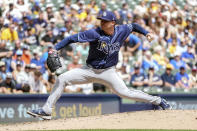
29	28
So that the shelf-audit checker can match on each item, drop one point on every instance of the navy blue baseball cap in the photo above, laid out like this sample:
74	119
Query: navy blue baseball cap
106	15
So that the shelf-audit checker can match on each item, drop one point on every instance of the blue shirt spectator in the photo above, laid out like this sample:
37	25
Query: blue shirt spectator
171	39
40	63
21	32
41	21
168	78
2	70
182	78
188	54
103	8
177	62
152	79
124	12
134	42
149	62
137	79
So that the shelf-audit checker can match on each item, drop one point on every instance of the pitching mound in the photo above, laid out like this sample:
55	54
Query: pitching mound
172	119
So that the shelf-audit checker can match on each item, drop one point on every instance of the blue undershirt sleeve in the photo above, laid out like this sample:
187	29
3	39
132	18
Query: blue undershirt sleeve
66	41
137	28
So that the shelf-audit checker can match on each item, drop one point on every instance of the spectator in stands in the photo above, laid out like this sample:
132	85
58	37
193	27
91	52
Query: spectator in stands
172	37
172	48
193	78
125	13
27	22
182	47
93	6
168	78
188	56
51	82
48	14
134	43
152	79
84	13
48	38
26	88
148	61
99	88
61	34
85	88
158	56
82	50
74	64
182	79
81	5
36	8
53	27
68	26
8	60
33	68
12	11
22	6
103	8
36	83
3	51
8	85
19	54
31	38
140	9
21	78
134	46
2	70
27	73
40	23
61	15
9	34
1	21
19	74
122	72
26	57
18	46
74	15
177	62
40	64
137	79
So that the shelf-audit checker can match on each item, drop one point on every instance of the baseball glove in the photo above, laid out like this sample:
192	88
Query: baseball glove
53	61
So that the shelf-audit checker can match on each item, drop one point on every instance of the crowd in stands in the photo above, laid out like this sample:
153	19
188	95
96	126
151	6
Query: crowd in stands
29	28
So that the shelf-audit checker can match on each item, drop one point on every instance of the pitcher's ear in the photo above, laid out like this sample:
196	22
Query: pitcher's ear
114	22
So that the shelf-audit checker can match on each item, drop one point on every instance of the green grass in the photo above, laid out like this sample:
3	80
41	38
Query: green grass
122	130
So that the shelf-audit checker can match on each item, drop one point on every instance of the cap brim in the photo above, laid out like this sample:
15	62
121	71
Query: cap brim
100	18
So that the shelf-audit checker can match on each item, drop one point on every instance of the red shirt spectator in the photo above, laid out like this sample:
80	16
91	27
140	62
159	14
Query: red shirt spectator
75	63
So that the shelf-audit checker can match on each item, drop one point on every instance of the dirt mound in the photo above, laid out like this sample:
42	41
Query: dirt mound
172	119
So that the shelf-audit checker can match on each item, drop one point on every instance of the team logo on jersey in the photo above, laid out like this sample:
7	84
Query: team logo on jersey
103	44
108	48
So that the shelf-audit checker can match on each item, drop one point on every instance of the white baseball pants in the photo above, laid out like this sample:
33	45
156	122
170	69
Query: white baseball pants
107	77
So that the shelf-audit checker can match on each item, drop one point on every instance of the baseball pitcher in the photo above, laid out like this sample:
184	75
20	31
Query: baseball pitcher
105	43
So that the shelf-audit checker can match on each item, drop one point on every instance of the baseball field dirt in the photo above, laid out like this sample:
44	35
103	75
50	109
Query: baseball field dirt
171	119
